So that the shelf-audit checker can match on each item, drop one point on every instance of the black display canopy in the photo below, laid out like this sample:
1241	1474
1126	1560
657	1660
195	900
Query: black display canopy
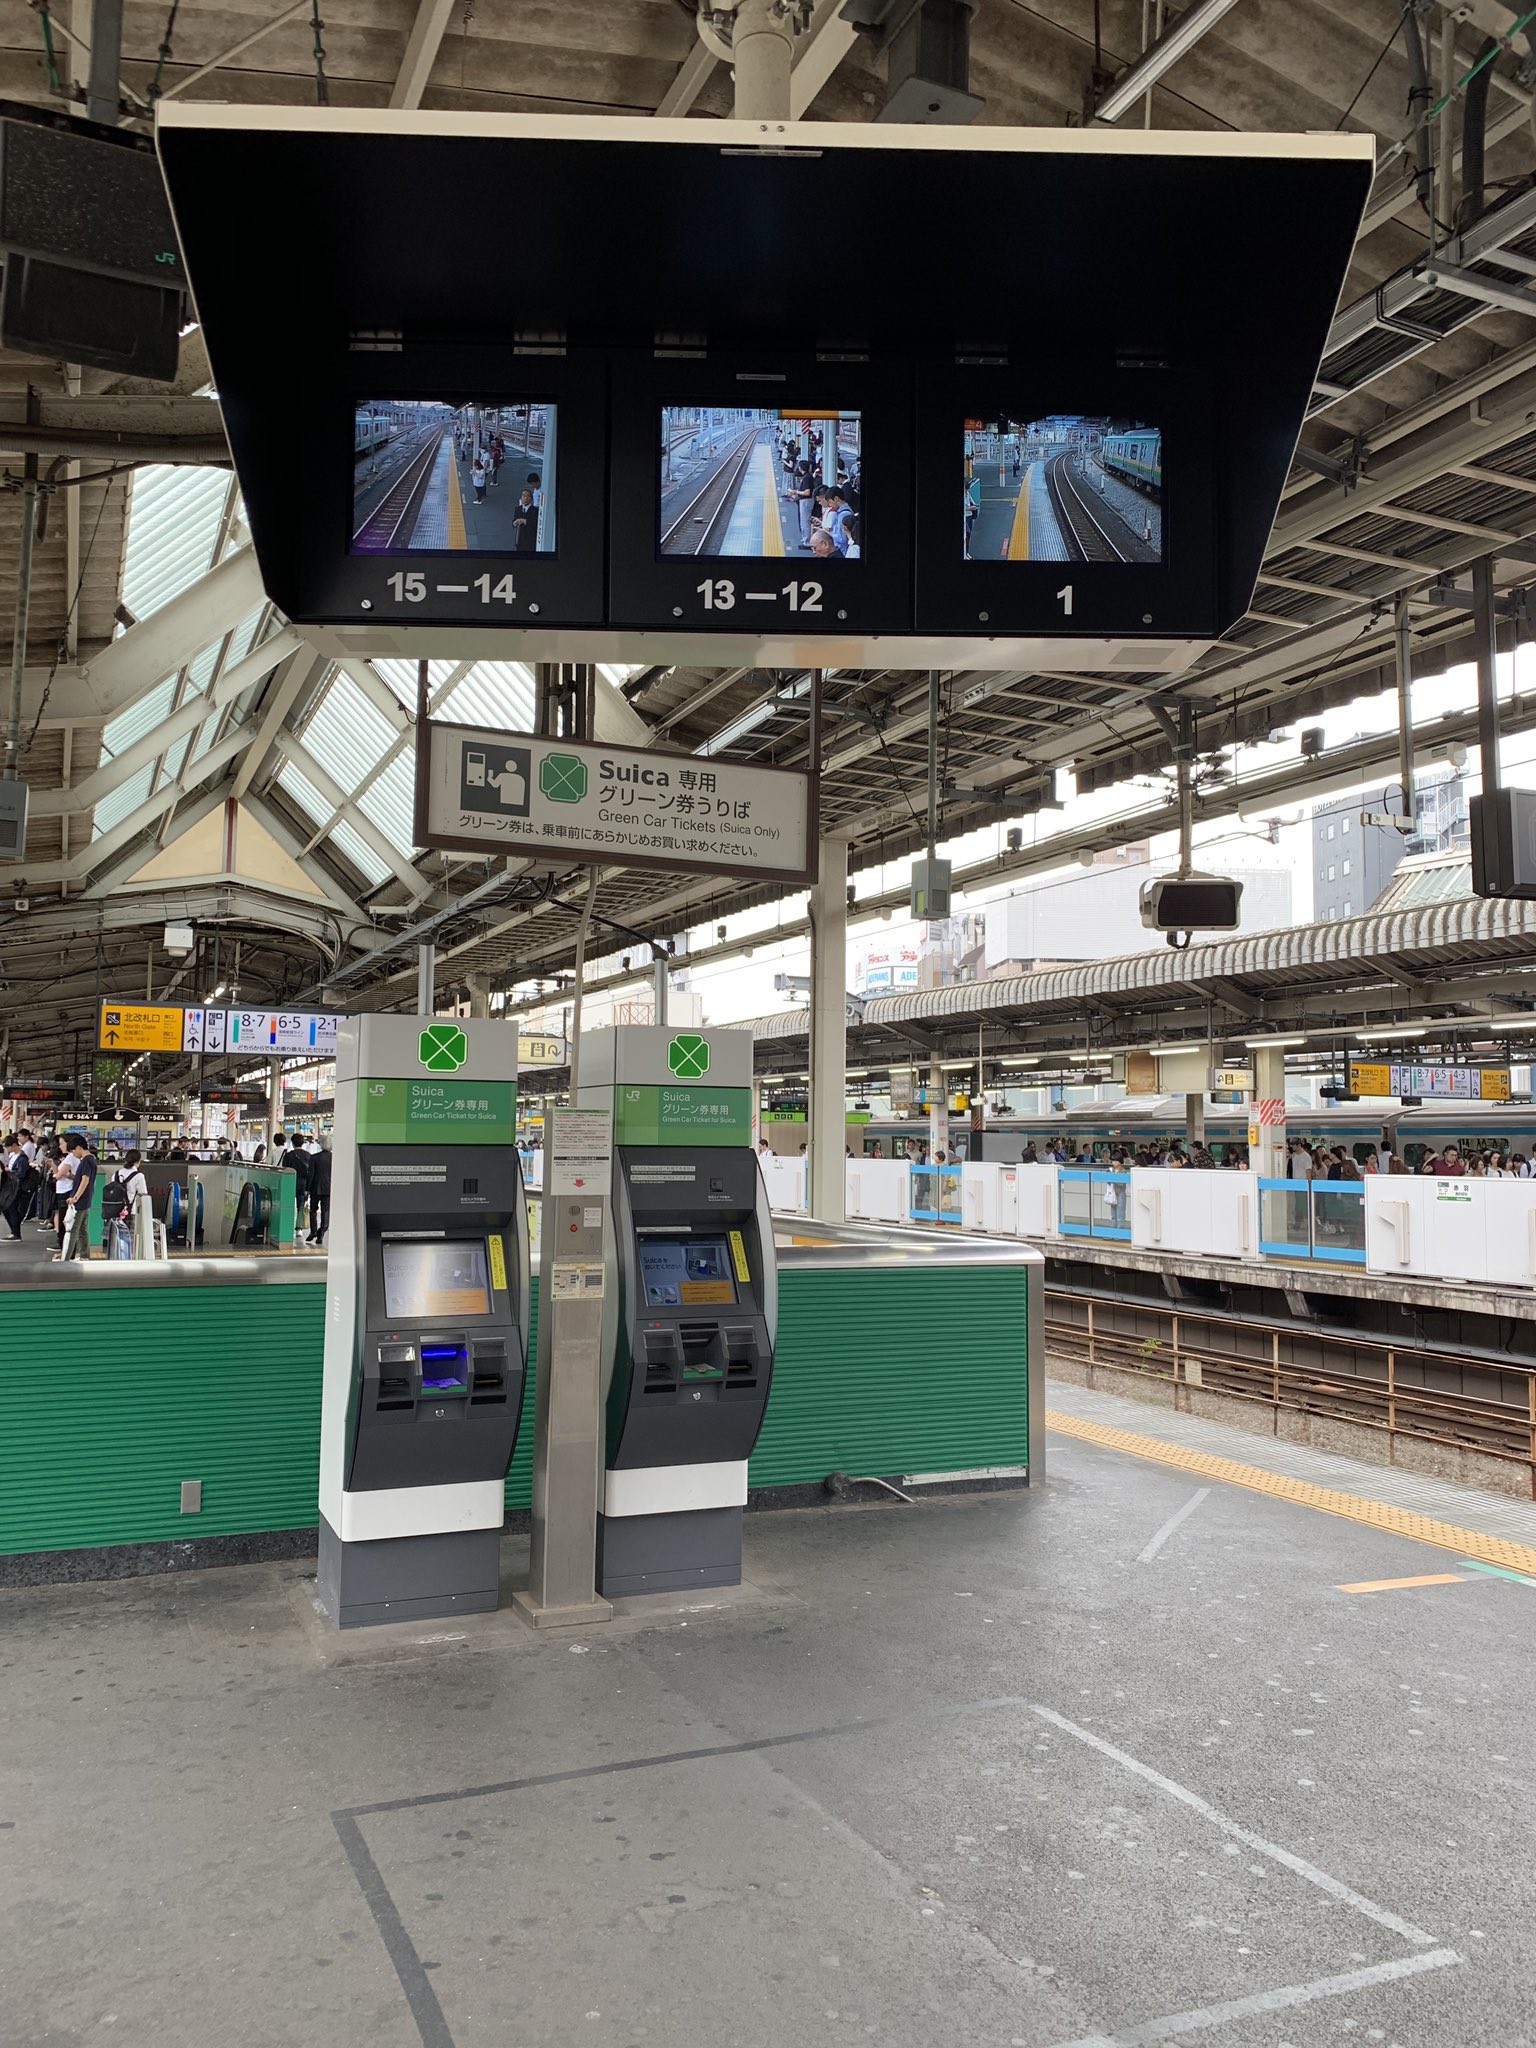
615	387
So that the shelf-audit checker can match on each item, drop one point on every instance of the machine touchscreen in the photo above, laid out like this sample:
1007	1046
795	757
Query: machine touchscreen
432	1277
685	1272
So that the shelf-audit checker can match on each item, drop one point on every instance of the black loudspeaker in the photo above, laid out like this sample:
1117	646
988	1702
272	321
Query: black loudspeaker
1504	844
92	269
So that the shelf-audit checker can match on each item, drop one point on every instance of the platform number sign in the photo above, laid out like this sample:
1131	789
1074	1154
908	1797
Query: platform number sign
688	1056
442	1048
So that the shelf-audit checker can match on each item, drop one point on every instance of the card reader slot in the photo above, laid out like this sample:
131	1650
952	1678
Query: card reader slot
662	1354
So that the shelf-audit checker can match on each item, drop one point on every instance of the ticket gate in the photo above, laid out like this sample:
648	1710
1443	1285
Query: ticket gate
427	1319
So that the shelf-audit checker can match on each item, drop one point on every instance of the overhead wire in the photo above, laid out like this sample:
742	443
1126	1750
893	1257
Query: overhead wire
322	83
166	52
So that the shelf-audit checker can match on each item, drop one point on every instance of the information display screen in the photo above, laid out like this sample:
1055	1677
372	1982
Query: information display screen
1071	487
433	478
425	1278
685	1272
760	482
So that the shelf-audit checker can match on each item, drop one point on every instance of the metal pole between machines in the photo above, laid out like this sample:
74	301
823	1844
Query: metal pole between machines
762	51
1402	628
1485	627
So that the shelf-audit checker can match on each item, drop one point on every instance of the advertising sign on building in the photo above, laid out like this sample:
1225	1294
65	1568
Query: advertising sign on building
563	800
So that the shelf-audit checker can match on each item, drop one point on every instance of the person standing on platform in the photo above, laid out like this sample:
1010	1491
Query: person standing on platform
75	1232
13	1185
320	1193
300	1165
117	1210
802	495
525	522
477	479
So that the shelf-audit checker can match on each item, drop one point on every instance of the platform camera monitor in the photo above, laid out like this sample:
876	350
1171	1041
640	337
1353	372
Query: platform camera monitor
760	482
686	1272
434	477
430	1278
1068	487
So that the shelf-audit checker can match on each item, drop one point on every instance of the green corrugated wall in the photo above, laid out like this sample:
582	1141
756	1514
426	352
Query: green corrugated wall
111	1399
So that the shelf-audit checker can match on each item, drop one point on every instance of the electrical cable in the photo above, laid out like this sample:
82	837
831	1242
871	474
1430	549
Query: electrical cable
1380	58
55	81
61	646
166	52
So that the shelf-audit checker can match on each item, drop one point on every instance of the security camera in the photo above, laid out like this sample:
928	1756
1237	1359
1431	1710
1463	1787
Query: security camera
720	931
22	903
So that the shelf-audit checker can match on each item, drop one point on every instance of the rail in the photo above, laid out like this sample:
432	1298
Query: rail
386	529
1404	1394
723	478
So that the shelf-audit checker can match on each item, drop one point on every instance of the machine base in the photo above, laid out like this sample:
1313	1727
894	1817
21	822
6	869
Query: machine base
668	1553
408	1578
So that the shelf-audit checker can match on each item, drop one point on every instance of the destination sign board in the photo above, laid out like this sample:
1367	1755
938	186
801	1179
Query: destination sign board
565	801
281	1031
1440	1084
177	1027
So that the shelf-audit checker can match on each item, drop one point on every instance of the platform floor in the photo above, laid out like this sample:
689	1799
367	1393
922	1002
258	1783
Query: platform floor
1115	1761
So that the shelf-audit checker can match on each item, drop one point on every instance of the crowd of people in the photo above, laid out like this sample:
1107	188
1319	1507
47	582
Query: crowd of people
827	513
48	1181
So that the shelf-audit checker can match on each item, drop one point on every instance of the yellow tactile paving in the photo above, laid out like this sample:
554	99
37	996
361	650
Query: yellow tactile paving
1376	1514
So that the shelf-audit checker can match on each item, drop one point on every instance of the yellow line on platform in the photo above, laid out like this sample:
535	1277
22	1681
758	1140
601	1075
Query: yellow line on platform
1375	1514
773	525
1392	1585
1018	535
457	537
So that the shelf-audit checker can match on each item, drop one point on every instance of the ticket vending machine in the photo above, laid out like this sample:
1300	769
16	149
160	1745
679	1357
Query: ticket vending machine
692	1308
426	1319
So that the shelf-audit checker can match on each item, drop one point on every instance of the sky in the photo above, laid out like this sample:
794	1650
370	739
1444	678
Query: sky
735	990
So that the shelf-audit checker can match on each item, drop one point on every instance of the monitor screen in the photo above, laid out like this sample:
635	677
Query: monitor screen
685	1272
433	478
760	482
1071	487
431	1277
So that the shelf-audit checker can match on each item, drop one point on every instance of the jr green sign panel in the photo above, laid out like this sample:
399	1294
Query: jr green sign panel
682	1116
444	1112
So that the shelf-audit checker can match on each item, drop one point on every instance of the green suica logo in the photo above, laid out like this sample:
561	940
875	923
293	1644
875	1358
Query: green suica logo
563	778
688	1056
442	1048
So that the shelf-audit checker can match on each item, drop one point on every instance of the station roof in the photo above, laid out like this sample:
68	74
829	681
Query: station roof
1419	456
1465	967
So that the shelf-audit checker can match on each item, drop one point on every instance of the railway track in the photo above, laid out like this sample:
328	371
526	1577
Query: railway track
1077	518
1396	1392
388	526
697	527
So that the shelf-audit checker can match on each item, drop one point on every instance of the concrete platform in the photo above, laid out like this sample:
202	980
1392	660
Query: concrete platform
1115	1761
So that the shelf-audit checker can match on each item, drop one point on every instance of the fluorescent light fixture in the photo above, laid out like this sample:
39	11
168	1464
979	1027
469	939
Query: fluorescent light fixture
1279	1038
954	1066
1161	57
1186	1045
214	997
1031	1060
1370	1034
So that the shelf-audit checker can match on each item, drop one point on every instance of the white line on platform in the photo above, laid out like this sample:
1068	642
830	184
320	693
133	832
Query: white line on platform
1146	1556
1172	2025
1335	1887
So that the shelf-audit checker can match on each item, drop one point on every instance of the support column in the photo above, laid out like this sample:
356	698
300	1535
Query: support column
1266	1137
274	1103
1194	1120
659	965
827	1123
938	1111
762	50
479	986
426	976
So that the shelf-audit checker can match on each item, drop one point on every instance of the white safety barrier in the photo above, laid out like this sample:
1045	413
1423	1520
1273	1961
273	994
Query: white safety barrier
989	1197
785	1180
1476	1230
1182	1209
879	1190
1037	1190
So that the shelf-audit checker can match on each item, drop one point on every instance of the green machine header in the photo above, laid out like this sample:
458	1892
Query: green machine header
430	1082
687	1088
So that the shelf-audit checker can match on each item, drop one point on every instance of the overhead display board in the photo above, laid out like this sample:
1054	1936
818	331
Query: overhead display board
174	1027
1444	1084
536	1050
482	791
642	437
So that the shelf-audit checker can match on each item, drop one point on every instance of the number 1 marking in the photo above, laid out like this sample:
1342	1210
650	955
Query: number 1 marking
1065	595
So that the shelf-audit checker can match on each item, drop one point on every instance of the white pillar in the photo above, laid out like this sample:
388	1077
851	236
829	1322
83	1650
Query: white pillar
827	1123
762	48
426	973
1266	1139
1194	1120
938	1111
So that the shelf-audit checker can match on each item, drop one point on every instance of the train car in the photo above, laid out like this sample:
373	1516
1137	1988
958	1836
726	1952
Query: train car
1136	457
370	431
1099	1129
